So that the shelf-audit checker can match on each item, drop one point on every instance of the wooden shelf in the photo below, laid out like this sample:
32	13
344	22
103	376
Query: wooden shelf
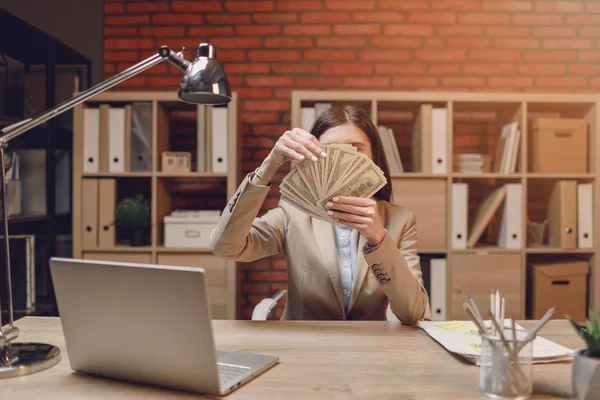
533	175
119	249
416	175
555	250
191	175
487	175
162	249
117	175
486	249
441	250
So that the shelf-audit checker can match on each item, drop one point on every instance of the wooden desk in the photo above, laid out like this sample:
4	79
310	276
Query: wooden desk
318	360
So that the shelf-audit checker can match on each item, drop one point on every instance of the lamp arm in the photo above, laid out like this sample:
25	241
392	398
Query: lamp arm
164	54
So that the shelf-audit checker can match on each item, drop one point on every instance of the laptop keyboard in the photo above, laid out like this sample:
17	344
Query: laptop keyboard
229	372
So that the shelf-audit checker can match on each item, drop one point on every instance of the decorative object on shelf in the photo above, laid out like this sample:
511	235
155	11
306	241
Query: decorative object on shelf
472	163
134	214
559	145
176	161
190	228
203	82
537	232
585	376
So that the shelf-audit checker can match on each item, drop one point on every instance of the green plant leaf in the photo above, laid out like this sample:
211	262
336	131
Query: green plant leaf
133	213
590	333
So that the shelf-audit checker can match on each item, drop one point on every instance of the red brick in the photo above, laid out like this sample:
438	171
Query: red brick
469	42
350	5
164	81
588	56
538	19
511	82
583	19
558	6
551	56
113	8
513	43
247	68
254	93
565	81
110	69
228	19
290	42
384	55
367	81
440	55
346	69
595	82
294	30
275	18
408	30
445	69
294	69
543	69
341	42
162	31
483	18
121	56
284	93
458	5
403	5
568	44
257	288
268	276
415	81
257	143
177	19
494	55
584	69
210	31
400	69
108	32
148	7
274	55
196	6
556	31
592	7
236	42
128	44
269	81
389	41
507	31
265	105
299	5
489	69
317	81
249	6
459	30
463	81
269	130
498	5
434	42
231	56
377	16
258	30
431	17
135	82
589	31
357	29
324	17
131	20
329	55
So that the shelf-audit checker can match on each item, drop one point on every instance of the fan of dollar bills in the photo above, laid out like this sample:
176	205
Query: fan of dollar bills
344	172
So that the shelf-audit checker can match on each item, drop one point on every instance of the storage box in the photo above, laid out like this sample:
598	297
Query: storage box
173	161
562	285
559	145
190	228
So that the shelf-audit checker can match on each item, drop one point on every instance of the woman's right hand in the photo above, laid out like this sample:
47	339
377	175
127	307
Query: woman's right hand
296	145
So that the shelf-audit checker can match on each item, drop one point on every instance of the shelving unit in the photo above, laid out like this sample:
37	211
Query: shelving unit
166	192
474	125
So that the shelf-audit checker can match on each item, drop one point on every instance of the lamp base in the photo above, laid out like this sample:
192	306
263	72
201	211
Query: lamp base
19	359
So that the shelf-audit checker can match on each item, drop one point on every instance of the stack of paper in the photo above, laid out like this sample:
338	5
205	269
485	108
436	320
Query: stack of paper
344	172
462	338
472	163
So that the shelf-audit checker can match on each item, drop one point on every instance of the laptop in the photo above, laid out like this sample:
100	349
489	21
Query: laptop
148	324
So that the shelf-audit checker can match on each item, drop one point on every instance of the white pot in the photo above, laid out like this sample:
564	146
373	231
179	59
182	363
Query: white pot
586	376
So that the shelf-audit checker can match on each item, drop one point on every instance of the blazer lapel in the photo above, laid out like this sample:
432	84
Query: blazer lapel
360	271
326	241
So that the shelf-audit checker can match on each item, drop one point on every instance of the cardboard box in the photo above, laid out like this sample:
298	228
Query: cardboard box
562	285
559	145
176	162
190	229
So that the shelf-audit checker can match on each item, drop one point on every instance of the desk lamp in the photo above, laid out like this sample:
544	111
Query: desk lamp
203	82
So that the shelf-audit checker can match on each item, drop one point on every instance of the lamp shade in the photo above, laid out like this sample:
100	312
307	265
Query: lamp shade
204	81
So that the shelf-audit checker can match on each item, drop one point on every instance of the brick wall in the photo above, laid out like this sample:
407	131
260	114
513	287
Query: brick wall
269	48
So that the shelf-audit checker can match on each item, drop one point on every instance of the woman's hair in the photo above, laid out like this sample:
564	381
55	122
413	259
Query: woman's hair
351	114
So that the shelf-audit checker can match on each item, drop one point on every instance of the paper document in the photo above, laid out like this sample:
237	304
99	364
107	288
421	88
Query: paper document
462	338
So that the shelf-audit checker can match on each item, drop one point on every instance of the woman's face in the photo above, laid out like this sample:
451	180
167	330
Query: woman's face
348	134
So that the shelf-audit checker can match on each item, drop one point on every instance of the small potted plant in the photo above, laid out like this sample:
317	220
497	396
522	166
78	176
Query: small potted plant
586	362
133	215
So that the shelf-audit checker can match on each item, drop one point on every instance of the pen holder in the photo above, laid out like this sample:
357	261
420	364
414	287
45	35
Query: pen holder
506	365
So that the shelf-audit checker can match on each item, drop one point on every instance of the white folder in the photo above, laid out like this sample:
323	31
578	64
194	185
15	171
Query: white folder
91	139
201	134
439	140
308	118
460	215
219	136
510	236
585	227
116	139
438	286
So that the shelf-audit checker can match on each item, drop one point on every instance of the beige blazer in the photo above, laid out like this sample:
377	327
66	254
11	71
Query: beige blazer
314	288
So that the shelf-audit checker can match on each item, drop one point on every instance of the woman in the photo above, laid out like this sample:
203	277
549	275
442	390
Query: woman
328	265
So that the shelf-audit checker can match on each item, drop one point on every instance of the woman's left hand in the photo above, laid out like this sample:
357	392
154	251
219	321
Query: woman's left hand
358	213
